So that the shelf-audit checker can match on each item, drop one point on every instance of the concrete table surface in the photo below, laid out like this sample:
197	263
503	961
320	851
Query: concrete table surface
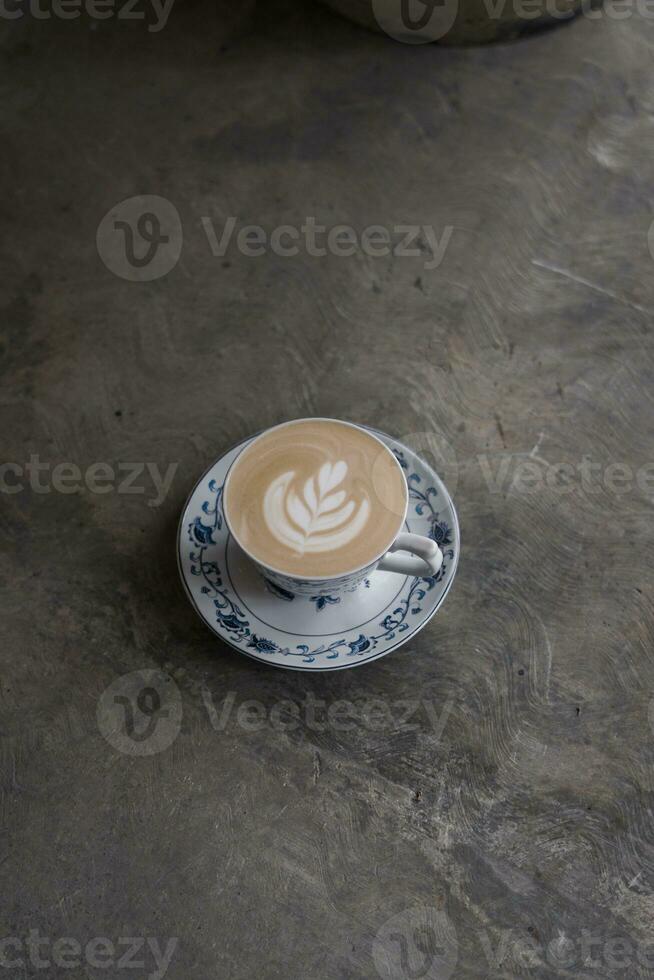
486	811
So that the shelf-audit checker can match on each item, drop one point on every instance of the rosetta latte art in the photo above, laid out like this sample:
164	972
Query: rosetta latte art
318	518
315	498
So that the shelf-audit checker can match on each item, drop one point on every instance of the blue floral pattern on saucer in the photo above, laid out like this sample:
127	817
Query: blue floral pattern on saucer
240	620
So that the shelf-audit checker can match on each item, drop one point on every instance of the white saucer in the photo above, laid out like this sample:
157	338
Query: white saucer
318	633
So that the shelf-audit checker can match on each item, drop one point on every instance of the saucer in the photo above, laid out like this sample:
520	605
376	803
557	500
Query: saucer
263	621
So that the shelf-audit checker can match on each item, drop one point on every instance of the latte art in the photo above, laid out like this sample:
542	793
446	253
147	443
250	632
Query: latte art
315	498
317	520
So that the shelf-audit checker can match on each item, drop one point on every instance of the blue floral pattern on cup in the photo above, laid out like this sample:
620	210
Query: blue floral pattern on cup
324	600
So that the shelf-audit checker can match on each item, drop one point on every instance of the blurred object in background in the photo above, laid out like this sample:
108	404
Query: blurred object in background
457	21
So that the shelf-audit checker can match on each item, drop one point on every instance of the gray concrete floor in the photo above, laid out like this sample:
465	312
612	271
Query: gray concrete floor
488	814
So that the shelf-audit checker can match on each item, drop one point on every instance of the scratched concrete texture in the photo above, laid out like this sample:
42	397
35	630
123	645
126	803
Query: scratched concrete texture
489	811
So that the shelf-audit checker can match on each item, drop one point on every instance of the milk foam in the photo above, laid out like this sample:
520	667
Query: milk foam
312	519
315	497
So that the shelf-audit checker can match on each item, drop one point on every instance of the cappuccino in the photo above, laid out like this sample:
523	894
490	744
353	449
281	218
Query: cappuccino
315	497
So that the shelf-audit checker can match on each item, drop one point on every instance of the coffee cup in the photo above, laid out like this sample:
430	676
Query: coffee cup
319	504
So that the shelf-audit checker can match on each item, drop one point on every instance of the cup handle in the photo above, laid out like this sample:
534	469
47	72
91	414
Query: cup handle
427	563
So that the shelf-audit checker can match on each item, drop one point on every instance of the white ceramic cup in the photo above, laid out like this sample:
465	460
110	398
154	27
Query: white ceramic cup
405	553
